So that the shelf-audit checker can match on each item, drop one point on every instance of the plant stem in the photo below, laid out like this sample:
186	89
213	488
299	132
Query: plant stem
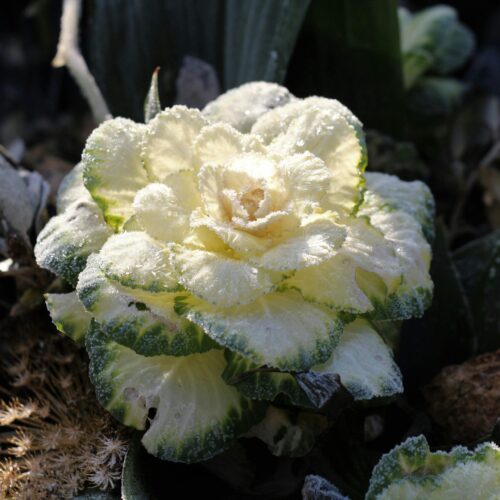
68	54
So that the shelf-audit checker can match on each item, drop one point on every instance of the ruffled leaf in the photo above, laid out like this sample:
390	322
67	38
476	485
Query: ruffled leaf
399	221
113	170
168	146
361	362
163	211
68	239
279	329
414	198
306	389
68	315
140	320
316	241
411	470
220	280
136	260
364	363
241	107
196	414
328	130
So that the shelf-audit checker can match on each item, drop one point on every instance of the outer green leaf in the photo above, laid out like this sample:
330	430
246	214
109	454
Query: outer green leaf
260	37
278	329
68	239
364	363
305	389
68	314
140	320
411	470
113	170
197	414
362	360
478	264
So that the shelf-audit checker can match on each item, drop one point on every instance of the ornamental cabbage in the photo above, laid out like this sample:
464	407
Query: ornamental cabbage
227	257
411	470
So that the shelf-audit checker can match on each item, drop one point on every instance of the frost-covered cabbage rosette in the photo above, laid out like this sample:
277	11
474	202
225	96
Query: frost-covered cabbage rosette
227	257
411	470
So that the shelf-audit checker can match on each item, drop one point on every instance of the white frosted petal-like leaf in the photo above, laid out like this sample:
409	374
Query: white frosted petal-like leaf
412	470
241	107
68	239
278	329
220	280
219	142
364	363
307	180
68	314
318	240
163	210
143	321
277	121
210	185
240	241
72	189
329	133
113	170
136	260
414	198
333	283
401	221
366	246
197	415
168	147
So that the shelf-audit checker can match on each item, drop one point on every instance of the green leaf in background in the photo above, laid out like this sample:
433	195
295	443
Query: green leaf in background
433	40
259	39
318	488
478	263
127	40
244	40
134	480
350	51
433	96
